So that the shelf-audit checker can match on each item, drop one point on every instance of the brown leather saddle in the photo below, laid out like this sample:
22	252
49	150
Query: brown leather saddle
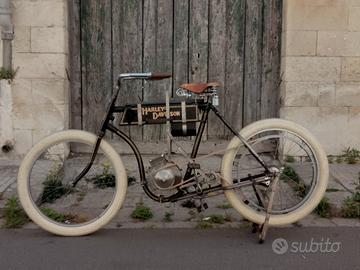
199	88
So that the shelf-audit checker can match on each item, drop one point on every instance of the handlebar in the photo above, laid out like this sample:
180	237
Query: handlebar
159	76
144	76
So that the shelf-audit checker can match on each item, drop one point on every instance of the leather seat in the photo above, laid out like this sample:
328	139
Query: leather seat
199	88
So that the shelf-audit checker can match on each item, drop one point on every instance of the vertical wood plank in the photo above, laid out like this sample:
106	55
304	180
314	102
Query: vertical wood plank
75	64
235	46
198	43
127	52
217	61
253	60
181	43
96	61
158	41
270	95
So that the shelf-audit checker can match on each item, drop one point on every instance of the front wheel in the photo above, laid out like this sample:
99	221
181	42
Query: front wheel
49	195
285	147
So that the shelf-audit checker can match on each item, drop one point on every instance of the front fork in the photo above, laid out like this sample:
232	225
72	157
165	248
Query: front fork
104	125
93	156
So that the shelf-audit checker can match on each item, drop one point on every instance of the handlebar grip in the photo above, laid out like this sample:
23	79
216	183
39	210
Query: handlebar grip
159	76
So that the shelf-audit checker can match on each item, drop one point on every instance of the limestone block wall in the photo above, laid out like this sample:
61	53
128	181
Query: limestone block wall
40	90
321	69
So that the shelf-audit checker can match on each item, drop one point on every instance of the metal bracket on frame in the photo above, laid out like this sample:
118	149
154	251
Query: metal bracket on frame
168	124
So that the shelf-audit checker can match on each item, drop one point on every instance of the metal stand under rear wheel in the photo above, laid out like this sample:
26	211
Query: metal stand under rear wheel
265	226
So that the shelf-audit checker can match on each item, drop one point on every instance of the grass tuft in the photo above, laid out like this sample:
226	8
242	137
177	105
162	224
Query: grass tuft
351	206
142	212
106	179
53	187
289	172
351	156
7	74
15	217
168	217
323	208
52	214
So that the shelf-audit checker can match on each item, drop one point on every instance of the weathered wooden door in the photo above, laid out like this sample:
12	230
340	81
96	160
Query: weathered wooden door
234	42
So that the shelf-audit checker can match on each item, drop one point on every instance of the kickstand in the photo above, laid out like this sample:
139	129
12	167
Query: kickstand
265	226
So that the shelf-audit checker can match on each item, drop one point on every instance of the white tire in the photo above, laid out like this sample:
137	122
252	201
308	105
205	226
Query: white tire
62	229
320	184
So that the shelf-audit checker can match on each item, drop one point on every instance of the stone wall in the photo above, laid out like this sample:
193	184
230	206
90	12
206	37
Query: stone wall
40	90
321	69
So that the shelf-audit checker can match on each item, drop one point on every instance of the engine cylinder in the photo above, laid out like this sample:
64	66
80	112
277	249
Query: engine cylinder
165	174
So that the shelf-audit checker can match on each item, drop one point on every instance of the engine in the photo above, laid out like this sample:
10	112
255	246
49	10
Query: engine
164	174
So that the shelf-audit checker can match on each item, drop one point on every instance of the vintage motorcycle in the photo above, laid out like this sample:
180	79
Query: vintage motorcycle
273	172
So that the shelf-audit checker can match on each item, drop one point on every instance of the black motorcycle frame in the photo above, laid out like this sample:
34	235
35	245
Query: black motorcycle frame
205	106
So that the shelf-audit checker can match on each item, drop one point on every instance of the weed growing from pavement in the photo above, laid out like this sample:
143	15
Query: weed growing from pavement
339	159
15	217
168	216
53	215
351	156
53	187
323	208
142	212
290	174
351	206
106	179
302	189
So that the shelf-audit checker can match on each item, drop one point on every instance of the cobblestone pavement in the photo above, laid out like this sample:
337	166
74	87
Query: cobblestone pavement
343	180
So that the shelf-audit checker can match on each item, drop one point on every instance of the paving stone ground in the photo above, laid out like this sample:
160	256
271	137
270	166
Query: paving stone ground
343	181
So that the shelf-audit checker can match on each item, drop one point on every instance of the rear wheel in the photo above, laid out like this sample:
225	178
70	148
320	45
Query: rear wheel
46	184
285	147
